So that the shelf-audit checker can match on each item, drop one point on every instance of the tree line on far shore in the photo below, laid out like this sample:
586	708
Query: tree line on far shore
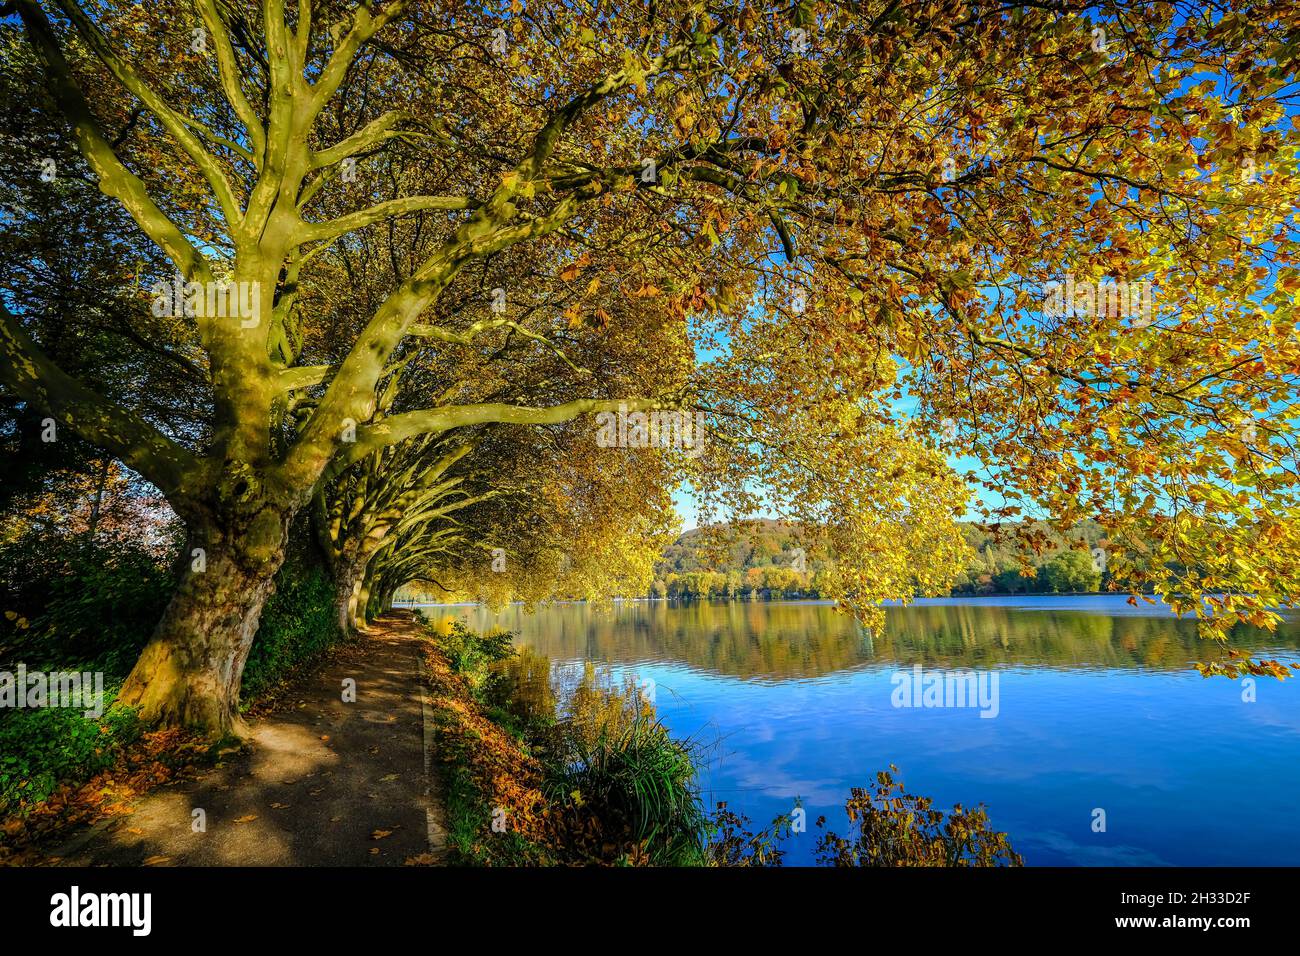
765	561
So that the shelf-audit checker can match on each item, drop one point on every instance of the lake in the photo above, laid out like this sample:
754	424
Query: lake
1089	705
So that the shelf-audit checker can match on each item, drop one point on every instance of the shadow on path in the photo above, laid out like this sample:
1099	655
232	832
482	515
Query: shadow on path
326	782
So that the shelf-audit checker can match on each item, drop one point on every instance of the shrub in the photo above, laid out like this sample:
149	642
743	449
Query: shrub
730	842
84	605
893	828
297	625
472	654
43	747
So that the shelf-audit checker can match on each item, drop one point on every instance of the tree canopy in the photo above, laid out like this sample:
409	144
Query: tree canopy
836	250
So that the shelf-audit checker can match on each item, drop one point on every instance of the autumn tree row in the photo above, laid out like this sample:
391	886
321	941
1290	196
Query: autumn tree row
412	249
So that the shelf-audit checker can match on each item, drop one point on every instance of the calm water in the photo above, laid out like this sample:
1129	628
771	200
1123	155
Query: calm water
1096	708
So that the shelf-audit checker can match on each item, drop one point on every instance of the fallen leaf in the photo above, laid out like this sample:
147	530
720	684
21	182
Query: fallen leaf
246	819
380	834
157	860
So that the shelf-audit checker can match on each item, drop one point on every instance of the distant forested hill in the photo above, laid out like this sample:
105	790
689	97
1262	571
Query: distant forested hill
771	559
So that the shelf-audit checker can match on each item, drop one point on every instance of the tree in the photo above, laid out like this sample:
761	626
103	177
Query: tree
240	492
1072	571
828	207
400	490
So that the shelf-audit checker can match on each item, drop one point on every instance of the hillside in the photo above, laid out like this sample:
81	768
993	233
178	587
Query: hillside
768	558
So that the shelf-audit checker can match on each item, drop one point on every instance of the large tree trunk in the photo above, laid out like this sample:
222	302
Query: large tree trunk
354	579
348	576
190	673
363	605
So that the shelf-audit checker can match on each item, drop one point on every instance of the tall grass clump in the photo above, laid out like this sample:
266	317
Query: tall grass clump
627	783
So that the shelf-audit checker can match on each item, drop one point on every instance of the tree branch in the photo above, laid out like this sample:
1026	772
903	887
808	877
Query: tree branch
231	83
381	211
171	119
30	373
433	421
115	179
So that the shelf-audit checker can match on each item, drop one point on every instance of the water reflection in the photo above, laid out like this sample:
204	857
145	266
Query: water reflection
801	641
1098	708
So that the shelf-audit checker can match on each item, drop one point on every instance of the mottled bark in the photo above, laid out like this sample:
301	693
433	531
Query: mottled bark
191	671
349	574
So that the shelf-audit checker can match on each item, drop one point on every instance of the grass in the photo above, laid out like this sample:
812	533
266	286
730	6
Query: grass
638	784
466	808
590	778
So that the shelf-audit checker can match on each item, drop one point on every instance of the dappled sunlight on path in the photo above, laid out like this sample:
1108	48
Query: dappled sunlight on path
324	781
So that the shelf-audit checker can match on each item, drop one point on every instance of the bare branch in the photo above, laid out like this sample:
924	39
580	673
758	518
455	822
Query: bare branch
114	178
30	373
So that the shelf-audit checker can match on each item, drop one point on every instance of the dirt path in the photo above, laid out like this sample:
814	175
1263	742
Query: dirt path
326	783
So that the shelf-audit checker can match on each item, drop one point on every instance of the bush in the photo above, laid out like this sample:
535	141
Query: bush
893	828
731	843
297	625
888	827
43	747
472	654
84	606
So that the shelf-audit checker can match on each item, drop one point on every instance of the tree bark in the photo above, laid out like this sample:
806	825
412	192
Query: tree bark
191	671
348	577
368	597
